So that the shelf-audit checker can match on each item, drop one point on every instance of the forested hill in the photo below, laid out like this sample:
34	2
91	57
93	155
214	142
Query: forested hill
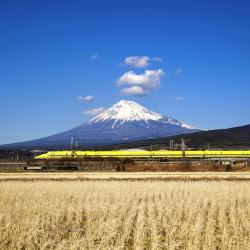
237	137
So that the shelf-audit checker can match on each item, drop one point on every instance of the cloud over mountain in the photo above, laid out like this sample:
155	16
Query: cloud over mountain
157	59
94	111
140	61
87	98
179	98
94	57
137	61
134	90
140	84
179	72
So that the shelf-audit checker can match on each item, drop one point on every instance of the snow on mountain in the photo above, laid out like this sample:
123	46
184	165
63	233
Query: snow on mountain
126	111
129	111
178	123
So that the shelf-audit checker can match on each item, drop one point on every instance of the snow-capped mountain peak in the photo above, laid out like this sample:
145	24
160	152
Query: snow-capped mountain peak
126	111
130	111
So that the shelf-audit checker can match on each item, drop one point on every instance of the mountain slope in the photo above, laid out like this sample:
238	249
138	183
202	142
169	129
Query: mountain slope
124	121
237	137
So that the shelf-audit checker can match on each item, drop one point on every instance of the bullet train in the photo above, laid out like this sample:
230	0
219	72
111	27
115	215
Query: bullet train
144	154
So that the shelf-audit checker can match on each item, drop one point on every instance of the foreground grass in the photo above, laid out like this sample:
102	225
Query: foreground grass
124	215
84	176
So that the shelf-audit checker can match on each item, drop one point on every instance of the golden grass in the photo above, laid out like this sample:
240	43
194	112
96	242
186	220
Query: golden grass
82	176
124	215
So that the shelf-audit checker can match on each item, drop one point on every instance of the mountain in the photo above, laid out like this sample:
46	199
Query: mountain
130	111
124	121
237	137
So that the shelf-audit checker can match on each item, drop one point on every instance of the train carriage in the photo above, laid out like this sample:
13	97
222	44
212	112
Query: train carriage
144	154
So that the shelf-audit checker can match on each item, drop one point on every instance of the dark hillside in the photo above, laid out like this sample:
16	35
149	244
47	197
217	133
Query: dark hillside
238	137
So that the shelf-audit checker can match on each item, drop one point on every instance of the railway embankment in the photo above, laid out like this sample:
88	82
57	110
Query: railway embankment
127	166
12	166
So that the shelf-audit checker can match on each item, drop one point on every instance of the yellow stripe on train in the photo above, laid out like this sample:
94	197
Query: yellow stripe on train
146	154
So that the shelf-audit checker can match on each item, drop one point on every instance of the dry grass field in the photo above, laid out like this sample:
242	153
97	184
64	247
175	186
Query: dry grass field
124	214
85	176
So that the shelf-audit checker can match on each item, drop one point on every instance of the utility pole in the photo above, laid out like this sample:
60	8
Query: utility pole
72	141
151	147
183	148
171	144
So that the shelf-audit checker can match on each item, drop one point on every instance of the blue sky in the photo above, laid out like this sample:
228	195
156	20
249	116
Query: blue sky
52	52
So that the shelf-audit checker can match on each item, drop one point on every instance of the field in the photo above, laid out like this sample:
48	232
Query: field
129	176
108	211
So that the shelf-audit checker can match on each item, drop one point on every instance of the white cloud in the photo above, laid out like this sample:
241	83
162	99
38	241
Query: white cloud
144	83
94	57
87	98
179	72
134	90
137	61
149	79
179	98
95	111
157	59
140	61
